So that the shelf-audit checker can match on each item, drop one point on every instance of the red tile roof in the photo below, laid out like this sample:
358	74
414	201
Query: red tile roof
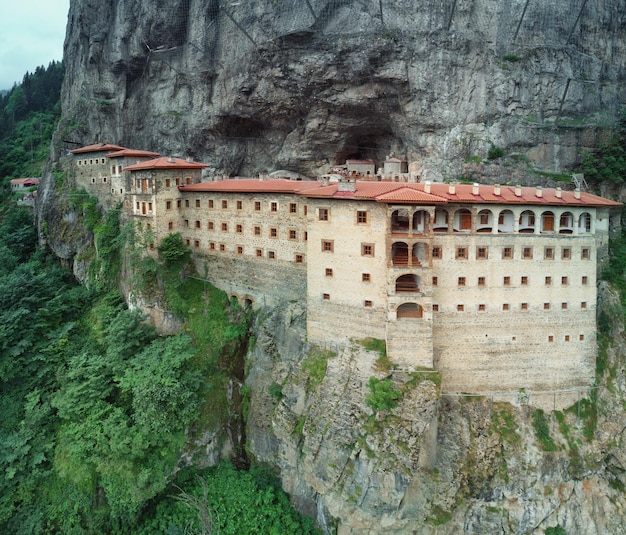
254	185
98	147
165	162
133	153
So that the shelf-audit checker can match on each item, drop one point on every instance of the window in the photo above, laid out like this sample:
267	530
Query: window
187	180
481	281
461	281
170	225
328	272
306	209
259	252
293	208
212	246
224	227
564	281
461	253
257	231
507	281
273	232
210	225
505	306
271	255
483	218
137	205
460	308
365	277
481	253
224	204
196	243
326	297
222	247
178	203
527	252
186	203
549	253
168	205
273	206
187	242
197	223
482	307
197	203
524	306
306	235
186	223
361	216
238	228
323	214
583	305
585	253
566	253
436	252
178	181
550	338
239	249
435	307
327	246
210	203
435	281
548	281
239	205
167	182
149	207
581	337
524	280
257	206
507	252
367	303
292	234
367	249
546	306
585	280
299	259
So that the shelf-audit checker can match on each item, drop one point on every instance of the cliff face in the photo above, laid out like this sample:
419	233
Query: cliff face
434	464
274	84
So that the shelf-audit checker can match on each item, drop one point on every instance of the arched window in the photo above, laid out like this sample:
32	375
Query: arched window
547	222
527	222
584	223
420	254
566	223
484	221
420	222
441	220
409	310
400	221
400	254
462	220
505	221
407	283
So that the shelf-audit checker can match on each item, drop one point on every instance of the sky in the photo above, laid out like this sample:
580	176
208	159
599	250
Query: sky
31	34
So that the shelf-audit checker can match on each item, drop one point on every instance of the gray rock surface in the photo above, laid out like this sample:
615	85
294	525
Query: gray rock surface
254	85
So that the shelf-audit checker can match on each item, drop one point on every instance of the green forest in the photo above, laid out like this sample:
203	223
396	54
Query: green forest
97	408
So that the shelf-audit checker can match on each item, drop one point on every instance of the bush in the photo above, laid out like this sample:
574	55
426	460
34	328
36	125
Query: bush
383	394
495	152
173	249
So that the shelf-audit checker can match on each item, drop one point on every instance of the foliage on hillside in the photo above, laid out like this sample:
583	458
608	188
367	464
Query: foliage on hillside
28	115
97	407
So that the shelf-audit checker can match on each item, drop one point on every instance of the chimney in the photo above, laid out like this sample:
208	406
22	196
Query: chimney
325	180
170	159
452	189
539	192
576	194
189	159
346	184
496	189
475	188
427	186
518	191
558	193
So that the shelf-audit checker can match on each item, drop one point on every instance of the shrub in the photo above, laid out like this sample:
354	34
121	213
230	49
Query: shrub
495	152
383	394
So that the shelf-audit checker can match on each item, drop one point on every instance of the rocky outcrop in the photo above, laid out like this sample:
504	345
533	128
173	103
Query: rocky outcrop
286	84
434	464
